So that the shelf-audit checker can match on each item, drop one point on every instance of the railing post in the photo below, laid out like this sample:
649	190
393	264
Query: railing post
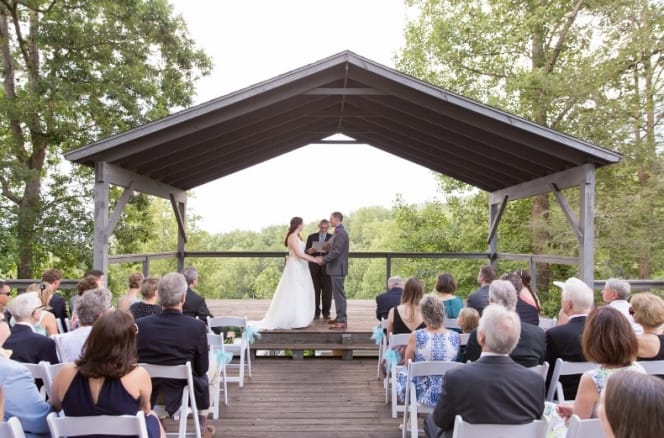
388	267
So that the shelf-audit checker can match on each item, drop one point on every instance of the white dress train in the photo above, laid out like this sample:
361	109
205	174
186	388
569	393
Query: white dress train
292	305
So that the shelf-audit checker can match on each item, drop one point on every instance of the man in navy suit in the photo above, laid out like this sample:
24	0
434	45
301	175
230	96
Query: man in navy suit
479	299
493	390
564	341
172	338
57	303
389	299
322	285
195	304
28	346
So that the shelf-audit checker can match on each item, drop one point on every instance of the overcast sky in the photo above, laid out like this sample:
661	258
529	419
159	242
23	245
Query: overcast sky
251	41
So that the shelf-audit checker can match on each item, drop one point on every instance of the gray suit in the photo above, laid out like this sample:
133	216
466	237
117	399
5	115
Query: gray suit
336	266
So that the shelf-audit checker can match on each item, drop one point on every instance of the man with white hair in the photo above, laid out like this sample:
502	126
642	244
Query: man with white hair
389	299
27	345
172	338
531	347
564	341
493	390
616	293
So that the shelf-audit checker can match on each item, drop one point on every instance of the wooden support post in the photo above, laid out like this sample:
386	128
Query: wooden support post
100	239
587	213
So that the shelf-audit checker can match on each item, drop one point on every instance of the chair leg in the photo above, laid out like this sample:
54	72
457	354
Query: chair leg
249	359
242	352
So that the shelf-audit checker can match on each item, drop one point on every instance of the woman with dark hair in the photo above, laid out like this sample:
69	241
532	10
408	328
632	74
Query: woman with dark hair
406	317
149	305
632	406
608	340
106	380
445	287
292	304
526	293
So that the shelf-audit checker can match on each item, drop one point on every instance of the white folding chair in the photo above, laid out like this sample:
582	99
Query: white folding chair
419	369
381	346
541	369
565	368
216	344
547	323
188	404
239	346
390	382
463	338
38	373
58	324
578	428
451	323
535	429
49	371
58	344
68	324
11	429
124	425
653	367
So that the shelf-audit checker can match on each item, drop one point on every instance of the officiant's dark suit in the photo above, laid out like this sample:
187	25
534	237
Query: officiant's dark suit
322	285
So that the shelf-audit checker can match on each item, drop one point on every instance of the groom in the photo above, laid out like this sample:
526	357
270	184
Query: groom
336	261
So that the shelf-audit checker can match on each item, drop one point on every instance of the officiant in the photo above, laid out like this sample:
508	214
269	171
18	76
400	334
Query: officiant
317	245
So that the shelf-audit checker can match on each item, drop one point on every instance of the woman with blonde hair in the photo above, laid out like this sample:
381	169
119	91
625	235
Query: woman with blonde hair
46	324
406	317
648	310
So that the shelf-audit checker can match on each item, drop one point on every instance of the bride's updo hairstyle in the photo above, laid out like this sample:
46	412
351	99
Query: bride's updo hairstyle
294	223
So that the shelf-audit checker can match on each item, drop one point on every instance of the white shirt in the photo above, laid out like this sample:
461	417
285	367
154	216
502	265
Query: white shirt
70	344
623	306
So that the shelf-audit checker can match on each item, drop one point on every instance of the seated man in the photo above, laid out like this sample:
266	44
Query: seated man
493	390
530	349
27	345
389	299
22	398
171	338
89	307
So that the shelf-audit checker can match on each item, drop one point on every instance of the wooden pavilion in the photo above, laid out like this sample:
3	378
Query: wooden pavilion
505	155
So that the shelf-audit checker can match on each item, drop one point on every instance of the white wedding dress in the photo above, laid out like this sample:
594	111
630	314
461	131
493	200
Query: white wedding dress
292	305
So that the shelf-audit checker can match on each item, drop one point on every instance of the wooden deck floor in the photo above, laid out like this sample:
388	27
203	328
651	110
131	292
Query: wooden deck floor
312	398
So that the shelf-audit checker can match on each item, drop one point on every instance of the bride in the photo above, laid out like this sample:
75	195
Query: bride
292	305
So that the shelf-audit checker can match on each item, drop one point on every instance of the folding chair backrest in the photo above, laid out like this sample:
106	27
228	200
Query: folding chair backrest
463	338
547	323
541	369
398	340
215	340
227	321
530	430
11	429
58	324
451	323
68	324
48	372
37	373
182	372
565	368
653	367
58	345
578	428
431	367
123	425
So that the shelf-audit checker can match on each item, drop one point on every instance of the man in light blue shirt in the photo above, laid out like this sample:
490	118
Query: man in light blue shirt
22	399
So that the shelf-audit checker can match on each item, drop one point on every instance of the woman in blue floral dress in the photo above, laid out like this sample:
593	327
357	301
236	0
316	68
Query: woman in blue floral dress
434	342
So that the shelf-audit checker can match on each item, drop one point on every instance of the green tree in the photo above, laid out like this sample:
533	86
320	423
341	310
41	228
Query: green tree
73	72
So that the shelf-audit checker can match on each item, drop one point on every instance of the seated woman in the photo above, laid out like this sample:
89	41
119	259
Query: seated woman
608	340
434	342
106	379
406	317
46	324
135	279
150	304
648	311
468	320
527	313
527	294
632	404
445	287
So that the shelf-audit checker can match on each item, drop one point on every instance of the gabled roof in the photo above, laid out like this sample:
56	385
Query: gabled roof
351	95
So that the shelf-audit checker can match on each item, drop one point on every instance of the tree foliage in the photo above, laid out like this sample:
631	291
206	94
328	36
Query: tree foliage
75	71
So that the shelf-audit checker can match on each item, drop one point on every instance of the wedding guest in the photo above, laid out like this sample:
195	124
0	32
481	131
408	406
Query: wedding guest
433	342
480	298
28	346
90	307
57	304
632	405
195	305
608	340
648	311
527	294
135	279
407	317
85	284
150	304
5	292
446	287
98	275
527	313
615	293
387	300
106	379
46	324
468	319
